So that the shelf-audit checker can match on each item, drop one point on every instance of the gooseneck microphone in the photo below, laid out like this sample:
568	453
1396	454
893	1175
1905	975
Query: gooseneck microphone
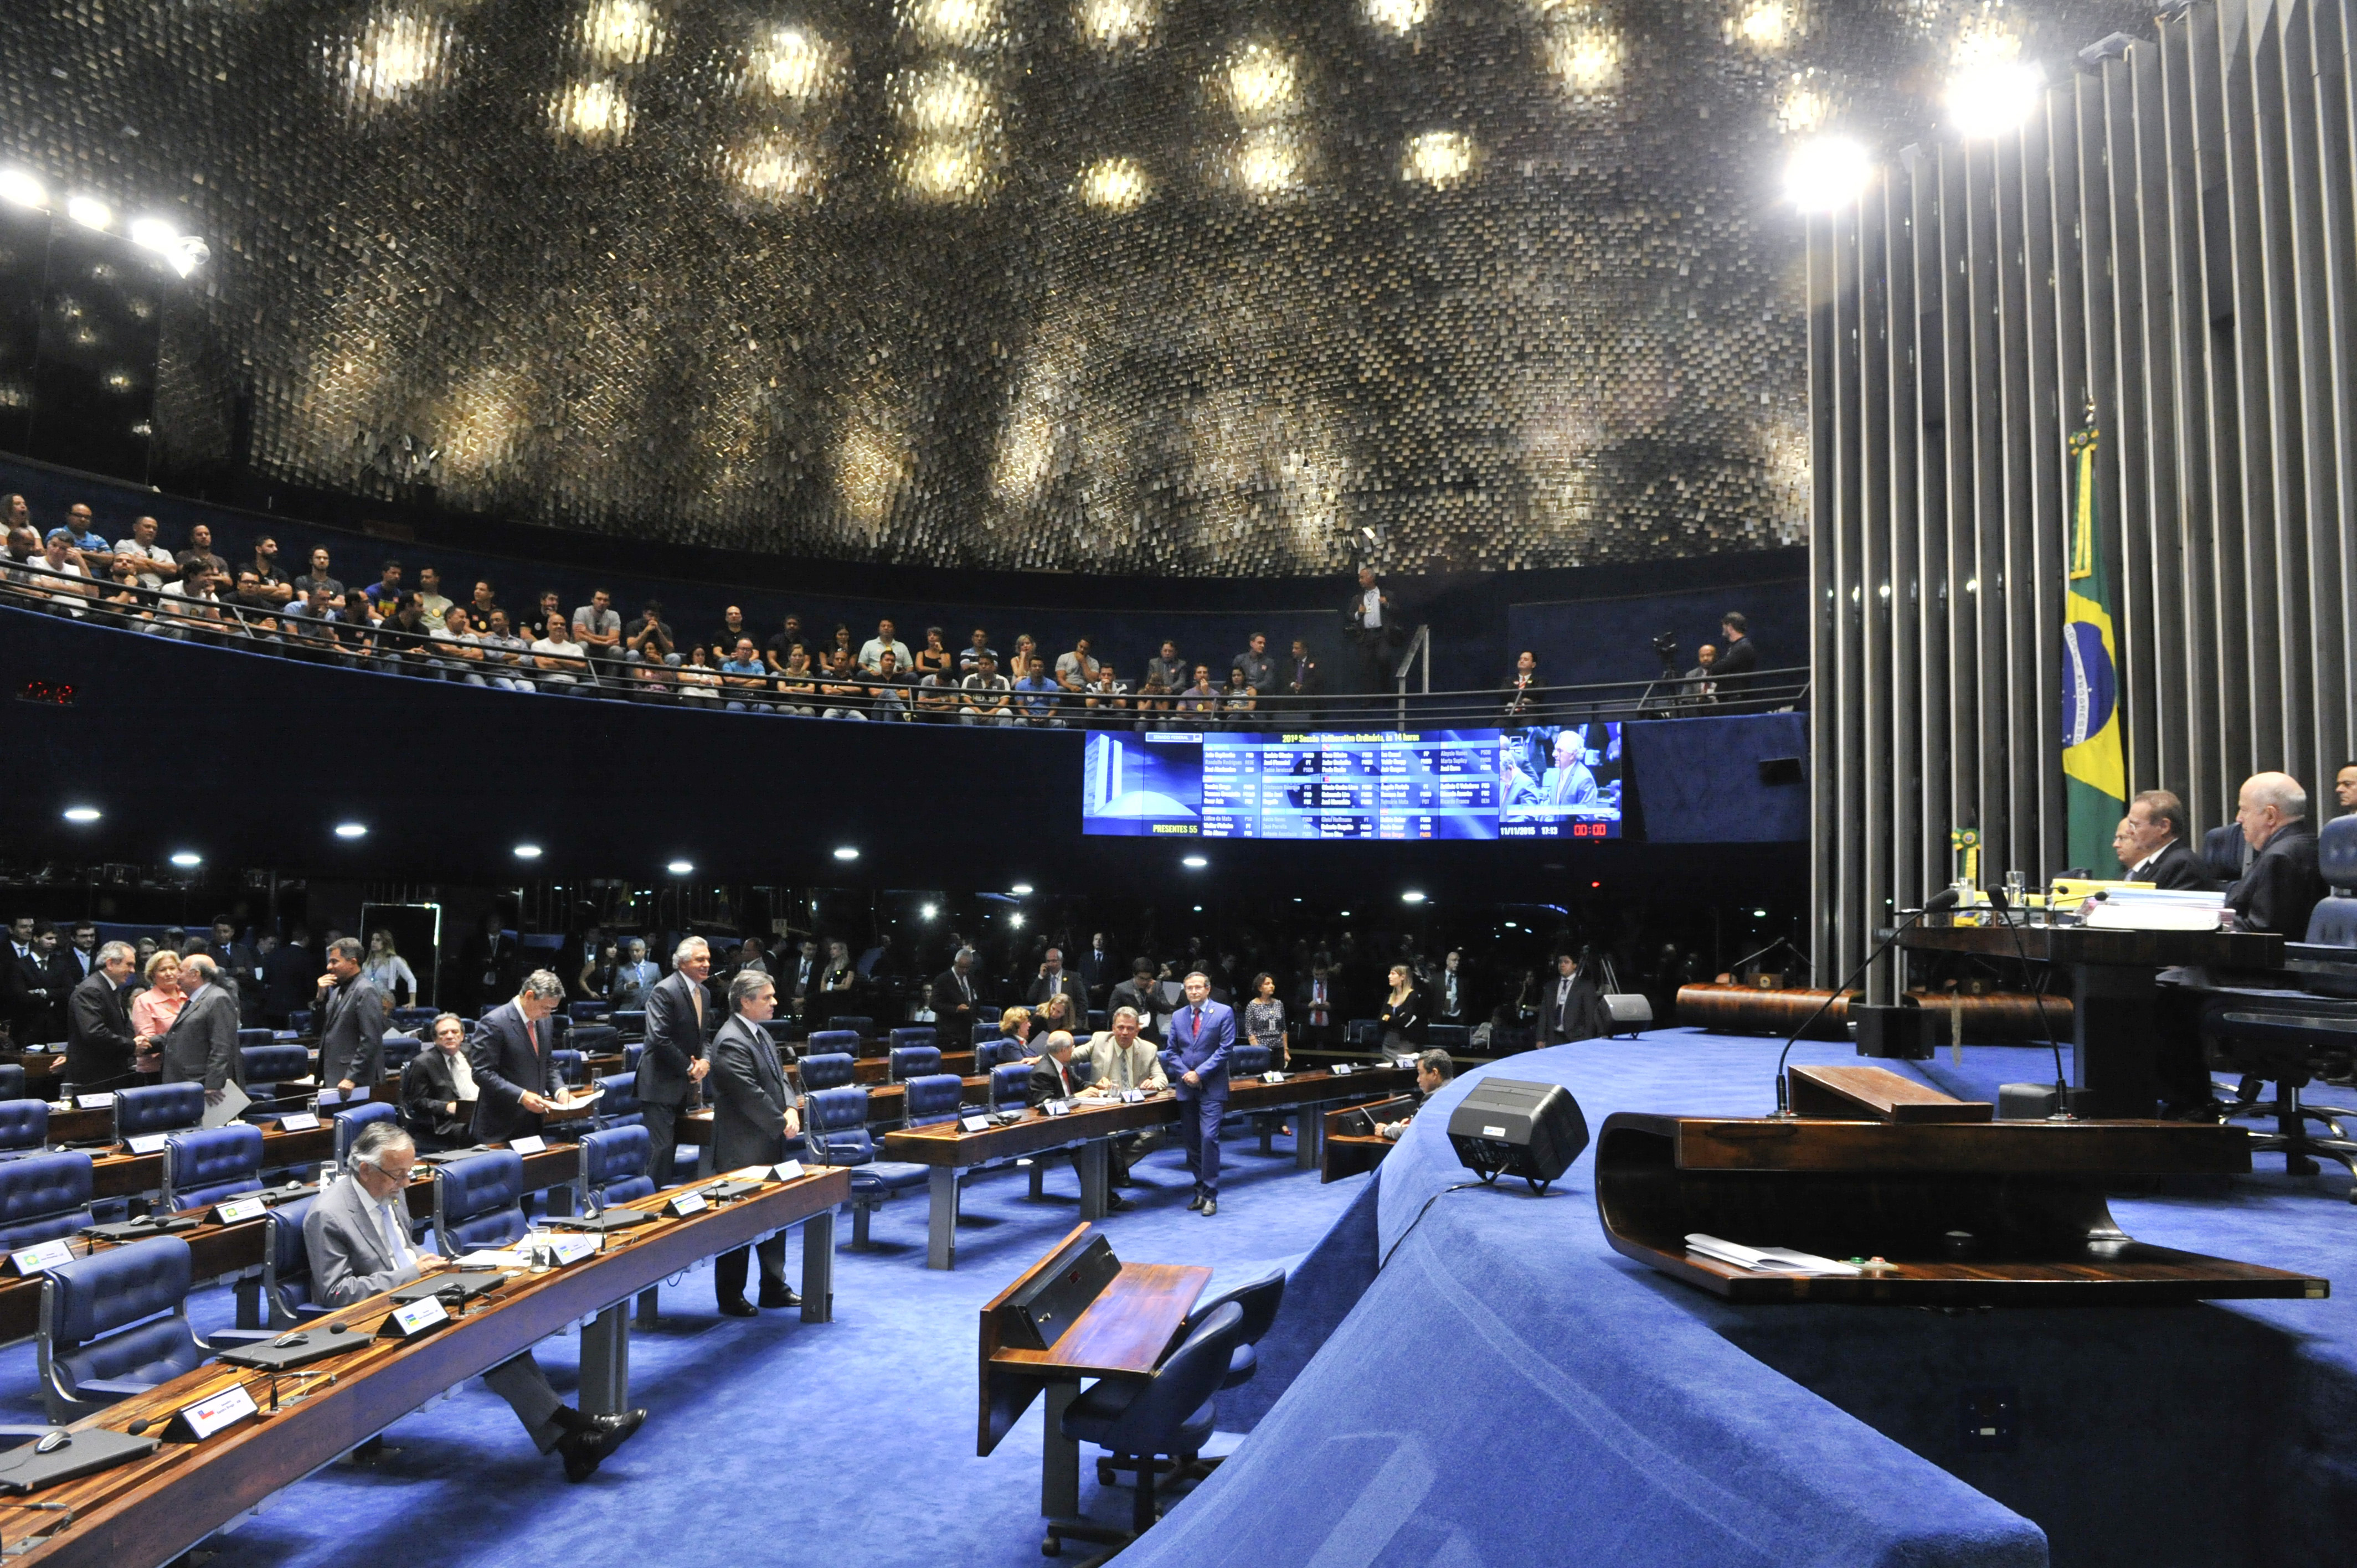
2037	996
1945	899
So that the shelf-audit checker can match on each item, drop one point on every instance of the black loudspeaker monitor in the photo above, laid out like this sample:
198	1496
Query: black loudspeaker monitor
1507	1126
1890	1032
1035	1316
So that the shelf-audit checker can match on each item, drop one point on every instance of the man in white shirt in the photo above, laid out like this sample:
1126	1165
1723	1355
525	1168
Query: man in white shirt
558	657
431	600
598	627
872	651
57	571
191	601
156	565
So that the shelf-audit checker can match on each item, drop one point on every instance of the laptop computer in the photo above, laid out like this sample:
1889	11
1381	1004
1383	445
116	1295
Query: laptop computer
298	1348
468	1284
83	1453
609	1220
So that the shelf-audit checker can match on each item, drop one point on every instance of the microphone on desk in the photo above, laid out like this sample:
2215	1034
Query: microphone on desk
2038	996
1945	899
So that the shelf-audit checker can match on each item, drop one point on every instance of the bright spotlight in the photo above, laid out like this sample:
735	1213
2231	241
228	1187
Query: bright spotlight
186	857
1015	919
846	853
929	911
1195	863
1199	909
351	829
1994	99
1411	896
1759	914
21	189
527	852
1826	174
1021	890
680	867
83	813
90	212
154	233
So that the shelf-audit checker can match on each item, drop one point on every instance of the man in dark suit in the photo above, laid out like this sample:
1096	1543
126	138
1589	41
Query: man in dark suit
1297	677
1569	1004
2158	819
1732	669
1097	969
100	1041
2279	888
349	1014
512	1056
1056	1076
241	971
1054	977
1196	1063
956	994
201	1044
286	978
754	1112
75	960
673	1062
1140	994
1318	1004
24	984
487	964
438	1087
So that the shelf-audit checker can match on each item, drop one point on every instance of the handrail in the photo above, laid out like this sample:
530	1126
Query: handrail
382	647
1421	643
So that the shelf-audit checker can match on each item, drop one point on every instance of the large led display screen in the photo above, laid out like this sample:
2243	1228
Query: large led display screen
1539	781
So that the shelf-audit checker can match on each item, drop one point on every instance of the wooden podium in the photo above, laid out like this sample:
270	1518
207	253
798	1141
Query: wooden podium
1967	1210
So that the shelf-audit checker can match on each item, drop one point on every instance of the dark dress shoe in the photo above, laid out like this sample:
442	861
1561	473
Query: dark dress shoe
1116	1204
775	1296
1210	1207
738	1306
1196	1201
594	1439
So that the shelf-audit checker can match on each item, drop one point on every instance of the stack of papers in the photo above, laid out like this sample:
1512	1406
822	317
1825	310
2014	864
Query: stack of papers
1766	1260
2140	908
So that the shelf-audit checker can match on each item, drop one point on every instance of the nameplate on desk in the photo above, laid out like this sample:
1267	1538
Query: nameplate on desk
974	1124
1343	1070
1133	1097
789	1170
146	1142
1057	1107
204	1418
47	1255
95	1102
330	1097
528	1145
413	1318
685	1204
563	1247
239	1211
300	1122
1272	1078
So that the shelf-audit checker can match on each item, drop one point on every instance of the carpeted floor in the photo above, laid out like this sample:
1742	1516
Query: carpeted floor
771	1440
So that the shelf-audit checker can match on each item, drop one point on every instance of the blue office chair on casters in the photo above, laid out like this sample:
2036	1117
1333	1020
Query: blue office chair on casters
614	1167
620	1106
44	1196
410	1020
994	1053
1168	1415
832	1069
570	1070
24	1127
267	1067
912	1061
935	1098
399	1050
280	1296
158	1108
351	1123
834	1127
204	1165
833	1042
1247	1062
914	1035
12	1081
2225	852
479	1203
854	1024
115	1324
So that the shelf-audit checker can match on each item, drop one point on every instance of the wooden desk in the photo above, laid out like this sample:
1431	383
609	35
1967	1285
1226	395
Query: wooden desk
146	1513
1345	1155
1314	1090
1124	1334
949	1149
2030	1196
2114	992
1875	1094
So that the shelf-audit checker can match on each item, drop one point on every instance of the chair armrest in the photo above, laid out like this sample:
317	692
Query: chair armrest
221	1338
120	1387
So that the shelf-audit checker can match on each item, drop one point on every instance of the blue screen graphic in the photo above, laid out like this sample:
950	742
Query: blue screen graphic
1541	781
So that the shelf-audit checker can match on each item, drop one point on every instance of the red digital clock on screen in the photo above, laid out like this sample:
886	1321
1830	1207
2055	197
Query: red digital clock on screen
57	693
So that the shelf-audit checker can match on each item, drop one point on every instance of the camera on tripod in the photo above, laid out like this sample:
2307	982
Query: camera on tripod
1665	648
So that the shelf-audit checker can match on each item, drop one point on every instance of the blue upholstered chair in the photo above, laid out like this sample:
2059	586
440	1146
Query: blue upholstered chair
936	1097
478	1202
593	1011
569	1066
1170	1413
286	1284
619	1108
205	1165
983	1033
399	1050
912	1061
299	1020
835	1129
350	1122
983	1013
1010	1085
43	1196
2225	852
1259	1299
12	1081
864	1028
992	1054
914	1035
255	1037
631	1021
833	1042
631	1052
158	1108
614	1165
1457	1039
24	1127
828	1070
411	1020
1247	1061
596	1039
114	1325
781	1034
267	1067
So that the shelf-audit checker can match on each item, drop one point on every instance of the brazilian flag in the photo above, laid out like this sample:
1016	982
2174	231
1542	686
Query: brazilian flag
2095	778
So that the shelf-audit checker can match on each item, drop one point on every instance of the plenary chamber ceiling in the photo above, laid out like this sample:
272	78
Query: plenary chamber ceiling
1099	285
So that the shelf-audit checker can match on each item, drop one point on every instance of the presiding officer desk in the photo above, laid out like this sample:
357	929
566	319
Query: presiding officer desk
949	1148
146	1512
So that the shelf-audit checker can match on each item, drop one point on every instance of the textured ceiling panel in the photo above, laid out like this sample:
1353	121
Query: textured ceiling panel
1082	285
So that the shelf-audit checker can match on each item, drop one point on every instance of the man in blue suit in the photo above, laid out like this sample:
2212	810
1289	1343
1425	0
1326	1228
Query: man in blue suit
514	1062
1196	1063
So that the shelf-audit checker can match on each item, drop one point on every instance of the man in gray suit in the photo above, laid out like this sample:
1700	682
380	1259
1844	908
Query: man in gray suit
755	1114
201	1044
673	1062
351	1014
357	1237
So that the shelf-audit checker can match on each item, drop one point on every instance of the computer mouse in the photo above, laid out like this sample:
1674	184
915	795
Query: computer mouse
53	1441
291	1341
340	1329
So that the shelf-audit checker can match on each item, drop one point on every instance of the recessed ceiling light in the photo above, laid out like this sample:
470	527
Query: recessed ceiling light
1194	862
351	829
1015	919
1199	909
680	867
1346	914
527	852
154	233
21	189
83	813
1021	890
1411	896
846	853
187	857
1759	914
930	911
90	212
1511	925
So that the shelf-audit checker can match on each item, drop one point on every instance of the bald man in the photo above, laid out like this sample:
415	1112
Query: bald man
2282	883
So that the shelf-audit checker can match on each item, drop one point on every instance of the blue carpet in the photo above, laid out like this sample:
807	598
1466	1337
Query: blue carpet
771	1440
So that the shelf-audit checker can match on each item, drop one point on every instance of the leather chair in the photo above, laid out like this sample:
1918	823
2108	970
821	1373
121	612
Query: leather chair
994	1053
781	1034
204	1165
596	1039
267	1068
619	1108
284	1296
833	1042
24	1127
914	1035
614	1167
863	1028
983	1013
115	1324
12	1081
414	1020
829	1069
349	1123
912	1061
631	1021
2225	852
43	1196
1248	1061
158	1108
983	1033
255	1037
835	1129
1259	1298
1244	1062
934	1097
399	1050
631	1052
1010	1086
1170	1413
299	1020
570	1067
478	1202
591	1011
